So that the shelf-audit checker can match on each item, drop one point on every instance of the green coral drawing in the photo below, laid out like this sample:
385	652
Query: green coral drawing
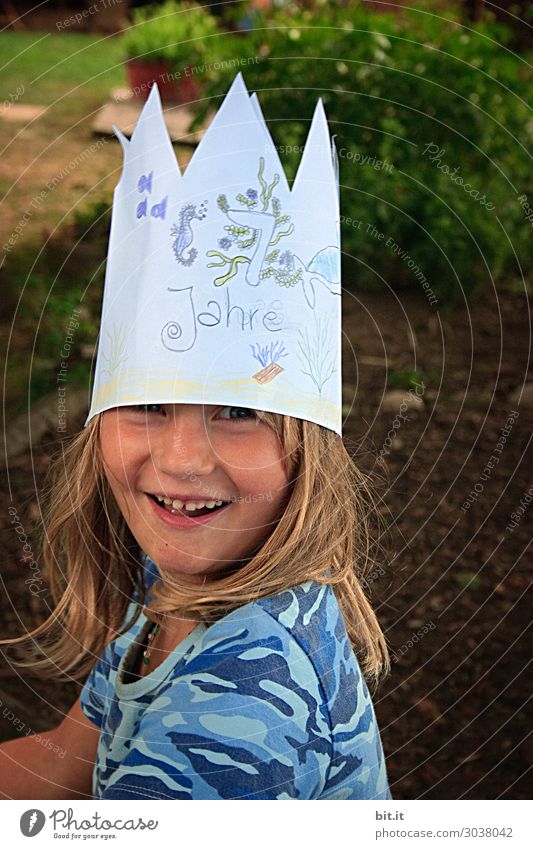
234	263
266	190
254	229
116	349
317	353
283	278
222	203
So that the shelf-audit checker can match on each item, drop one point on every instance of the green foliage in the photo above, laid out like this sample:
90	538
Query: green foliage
409	378
178	33
418	103
93	221
468	580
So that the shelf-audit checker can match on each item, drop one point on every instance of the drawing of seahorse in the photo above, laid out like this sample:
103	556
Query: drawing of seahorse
184	232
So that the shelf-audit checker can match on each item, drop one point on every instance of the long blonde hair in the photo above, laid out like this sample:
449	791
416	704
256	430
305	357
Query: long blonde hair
327	532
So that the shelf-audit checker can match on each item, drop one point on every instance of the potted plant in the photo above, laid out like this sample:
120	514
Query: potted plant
168	44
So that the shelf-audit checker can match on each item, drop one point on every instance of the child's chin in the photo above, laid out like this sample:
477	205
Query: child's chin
189	573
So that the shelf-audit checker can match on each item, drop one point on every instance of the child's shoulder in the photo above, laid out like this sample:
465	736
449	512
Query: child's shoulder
305	606
303	623
308	613
302	627
311	616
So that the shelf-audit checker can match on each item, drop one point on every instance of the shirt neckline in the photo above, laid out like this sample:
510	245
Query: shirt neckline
152	680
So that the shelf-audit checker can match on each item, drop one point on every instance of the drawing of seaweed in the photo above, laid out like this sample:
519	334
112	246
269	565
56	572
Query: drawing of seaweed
234	262
249	199
222	203
318	365
116	355
270	227
266	191
283	278
269	353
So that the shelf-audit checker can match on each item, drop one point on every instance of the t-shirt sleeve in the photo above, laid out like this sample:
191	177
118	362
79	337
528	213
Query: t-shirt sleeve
245	721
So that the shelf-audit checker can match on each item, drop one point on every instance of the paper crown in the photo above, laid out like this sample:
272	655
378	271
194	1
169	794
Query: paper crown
223	284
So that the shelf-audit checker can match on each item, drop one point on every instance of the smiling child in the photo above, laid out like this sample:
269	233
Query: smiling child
208	533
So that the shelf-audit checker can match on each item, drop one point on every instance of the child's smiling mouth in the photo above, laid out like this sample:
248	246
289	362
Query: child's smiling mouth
185	511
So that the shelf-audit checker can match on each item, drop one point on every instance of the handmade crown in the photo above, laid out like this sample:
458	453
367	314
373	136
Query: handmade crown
223	284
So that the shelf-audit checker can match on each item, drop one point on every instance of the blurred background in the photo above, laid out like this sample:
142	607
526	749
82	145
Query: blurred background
429	104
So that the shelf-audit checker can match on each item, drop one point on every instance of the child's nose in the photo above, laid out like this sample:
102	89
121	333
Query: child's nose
183	447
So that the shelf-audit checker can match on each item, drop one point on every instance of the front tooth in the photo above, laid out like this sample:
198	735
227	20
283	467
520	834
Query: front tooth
194	505
167	500
210	504
177	504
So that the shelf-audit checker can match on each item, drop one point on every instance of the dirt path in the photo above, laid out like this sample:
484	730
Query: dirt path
50	150
452	599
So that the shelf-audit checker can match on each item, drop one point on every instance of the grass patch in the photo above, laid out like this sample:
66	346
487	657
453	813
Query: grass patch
74	69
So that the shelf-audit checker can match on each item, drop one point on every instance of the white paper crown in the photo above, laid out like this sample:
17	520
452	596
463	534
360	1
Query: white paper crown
223	284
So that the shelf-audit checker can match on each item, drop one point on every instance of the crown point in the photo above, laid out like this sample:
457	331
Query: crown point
154	94
316	158
121	137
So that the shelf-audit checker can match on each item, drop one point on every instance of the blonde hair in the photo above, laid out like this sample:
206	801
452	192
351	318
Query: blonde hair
326	533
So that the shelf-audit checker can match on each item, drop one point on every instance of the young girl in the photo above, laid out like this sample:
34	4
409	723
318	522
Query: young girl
207	561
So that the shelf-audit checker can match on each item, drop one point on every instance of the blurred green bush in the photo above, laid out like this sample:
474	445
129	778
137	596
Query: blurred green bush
174	32
432	129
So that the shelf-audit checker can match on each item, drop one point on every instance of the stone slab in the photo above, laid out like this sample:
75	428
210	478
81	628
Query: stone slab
20	112
124	110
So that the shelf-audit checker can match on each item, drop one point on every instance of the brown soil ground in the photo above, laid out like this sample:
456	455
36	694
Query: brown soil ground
451	599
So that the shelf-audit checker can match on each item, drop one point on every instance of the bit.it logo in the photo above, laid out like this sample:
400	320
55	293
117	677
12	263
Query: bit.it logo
32	822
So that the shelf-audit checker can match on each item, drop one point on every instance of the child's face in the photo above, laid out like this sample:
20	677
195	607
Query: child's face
194	453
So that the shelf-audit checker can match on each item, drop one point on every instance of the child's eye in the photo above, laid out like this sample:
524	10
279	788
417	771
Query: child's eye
147	408
242	413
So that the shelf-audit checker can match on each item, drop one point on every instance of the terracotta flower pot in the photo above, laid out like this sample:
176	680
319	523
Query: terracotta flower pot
142	74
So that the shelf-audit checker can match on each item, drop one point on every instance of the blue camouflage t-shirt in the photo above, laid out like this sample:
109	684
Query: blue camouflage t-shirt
266	703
